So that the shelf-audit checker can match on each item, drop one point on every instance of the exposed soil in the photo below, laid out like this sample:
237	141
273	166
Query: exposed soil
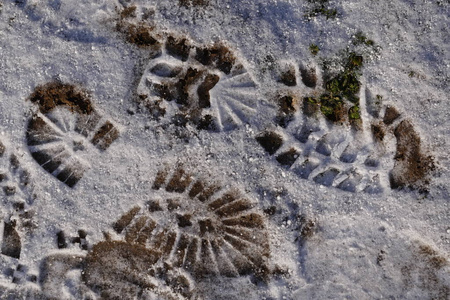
128	12
179	181
2	149
218	56
378	131
118	270
310	107
189	85
53	94
270	141
190	3
203	90
411	165
125	220
390	115
140	35
288	158
213	229
287	106
309	77
288	76
105	136
307	228
178	47
11	245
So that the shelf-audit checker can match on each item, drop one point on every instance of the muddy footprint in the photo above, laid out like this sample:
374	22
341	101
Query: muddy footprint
190	230
343	141
205	85
18	196
65	128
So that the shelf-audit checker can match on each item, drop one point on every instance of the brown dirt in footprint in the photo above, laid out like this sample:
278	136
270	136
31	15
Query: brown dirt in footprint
217	55
288	76
270	141
288	158
287	106
128	12
424	271
200	229
411	165
141	33
105	136
310	106
203	90
118	269
309	77
178	47
189	78
390	115
11	245
53	94
378	132
2	149
65	136
189	3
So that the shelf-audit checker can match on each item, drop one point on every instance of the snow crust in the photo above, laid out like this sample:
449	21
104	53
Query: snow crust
76	42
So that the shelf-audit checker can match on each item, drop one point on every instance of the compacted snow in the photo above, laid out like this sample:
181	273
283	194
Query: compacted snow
237	149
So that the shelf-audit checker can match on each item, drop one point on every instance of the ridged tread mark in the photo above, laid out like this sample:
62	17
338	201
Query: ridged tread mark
274	144
347	154
18	193
65	124
193	220
11	243
212	90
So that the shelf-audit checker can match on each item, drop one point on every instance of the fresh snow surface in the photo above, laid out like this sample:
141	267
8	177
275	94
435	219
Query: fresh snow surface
319	240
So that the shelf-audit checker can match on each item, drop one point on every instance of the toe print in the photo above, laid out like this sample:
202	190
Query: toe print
65	127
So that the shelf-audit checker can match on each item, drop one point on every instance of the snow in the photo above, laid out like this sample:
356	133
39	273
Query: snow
76	42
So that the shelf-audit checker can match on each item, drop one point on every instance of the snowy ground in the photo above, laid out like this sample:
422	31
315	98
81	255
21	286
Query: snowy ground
318	238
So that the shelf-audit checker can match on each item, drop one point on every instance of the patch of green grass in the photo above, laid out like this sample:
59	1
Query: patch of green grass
411	74
354	61
361	39
326	110
314	49
346	83
332	107
311	100
342	81
353	113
